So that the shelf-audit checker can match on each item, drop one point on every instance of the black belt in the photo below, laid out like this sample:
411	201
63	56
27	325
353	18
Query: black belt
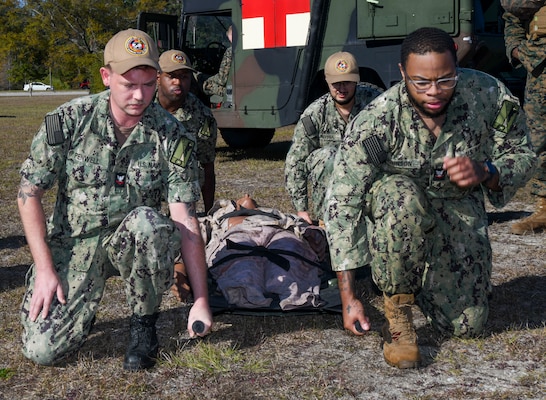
273	255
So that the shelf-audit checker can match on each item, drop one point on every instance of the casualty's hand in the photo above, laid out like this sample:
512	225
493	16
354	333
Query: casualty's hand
46	285
305	216
200	311
464	172
181	288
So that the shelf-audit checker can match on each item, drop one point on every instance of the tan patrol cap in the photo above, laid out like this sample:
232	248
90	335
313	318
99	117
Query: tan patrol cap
341	67
129	49
174	60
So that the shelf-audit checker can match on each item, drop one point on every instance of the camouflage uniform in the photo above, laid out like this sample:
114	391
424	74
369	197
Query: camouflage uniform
312	153
198	120
422	234
532	55
216	84
107	218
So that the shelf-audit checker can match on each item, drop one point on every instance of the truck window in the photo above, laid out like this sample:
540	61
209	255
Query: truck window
205	41
161	27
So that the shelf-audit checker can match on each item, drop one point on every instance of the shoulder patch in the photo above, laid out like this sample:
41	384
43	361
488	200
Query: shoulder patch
375	150
182	153
506	116
205	129
310	128
54	129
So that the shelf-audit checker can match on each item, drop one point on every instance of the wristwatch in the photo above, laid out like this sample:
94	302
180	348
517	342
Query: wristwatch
491	170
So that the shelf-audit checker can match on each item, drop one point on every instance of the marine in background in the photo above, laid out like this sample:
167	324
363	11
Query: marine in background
173	93
319	132
525	38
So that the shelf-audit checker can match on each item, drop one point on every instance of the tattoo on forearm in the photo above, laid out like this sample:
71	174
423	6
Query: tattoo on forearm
28	190
346	283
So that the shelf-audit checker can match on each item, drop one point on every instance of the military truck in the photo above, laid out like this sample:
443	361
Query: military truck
280	47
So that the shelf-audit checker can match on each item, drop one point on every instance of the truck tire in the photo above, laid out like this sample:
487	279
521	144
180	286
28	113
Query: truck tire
246	138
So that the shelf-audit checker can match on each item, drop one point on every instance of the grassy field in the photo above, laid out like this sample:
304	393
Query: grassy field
288	356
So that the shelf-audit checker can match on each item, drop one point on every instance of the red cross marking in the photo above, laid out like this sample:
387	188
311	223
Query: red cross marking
274	14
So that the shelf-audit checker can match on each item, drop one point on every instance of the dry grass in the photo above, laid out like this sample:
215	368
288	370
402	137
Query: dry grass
284	356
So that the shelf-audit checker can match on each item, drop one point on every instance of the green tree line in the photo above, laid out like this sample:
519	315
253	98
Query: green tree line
62	41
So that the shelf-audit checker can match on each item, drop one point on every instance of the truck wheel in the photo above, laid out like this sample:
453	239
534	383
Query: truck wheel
245	138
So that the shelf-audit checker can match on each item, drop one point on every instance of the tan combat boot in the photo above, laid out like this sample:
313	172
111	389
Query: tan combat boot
535	222
399	338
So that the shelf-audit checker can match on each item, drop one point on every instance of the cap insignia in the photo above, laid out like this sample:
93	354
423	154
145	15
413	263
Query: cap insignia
342	66
179	59
136	45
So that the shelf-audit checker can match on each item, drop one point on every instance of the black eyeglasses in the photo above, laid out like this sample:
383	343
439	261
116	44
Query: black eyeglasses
441	84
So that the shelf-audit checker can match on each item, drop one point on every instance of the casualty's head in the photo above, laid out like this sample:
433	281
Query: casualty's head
130	71
175	77
246	202
428	65
342	74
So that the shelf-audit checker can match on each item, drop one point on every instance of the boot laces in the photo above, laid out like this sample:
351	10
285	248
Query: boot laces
403	322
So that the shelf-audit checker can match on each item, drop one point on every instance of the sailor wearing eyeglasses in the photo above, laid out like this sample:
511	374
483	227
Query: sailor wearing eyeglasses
408	190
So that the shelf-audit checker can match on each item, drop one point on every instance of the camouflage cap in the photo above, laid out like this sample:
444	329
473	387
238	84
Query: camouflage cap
129	49
174	60
341	67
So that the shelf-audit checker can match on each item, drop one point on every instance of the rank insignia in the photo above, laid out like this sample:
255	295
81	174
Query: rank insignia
120	180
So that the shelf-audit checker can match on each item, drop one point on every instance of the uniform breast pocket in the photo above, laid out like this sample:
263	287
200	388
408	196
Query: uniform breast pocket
330	138
144	184
84	171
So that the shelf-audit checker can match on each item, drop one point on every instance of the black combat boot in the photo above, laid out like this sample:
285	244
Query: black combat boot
142	350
